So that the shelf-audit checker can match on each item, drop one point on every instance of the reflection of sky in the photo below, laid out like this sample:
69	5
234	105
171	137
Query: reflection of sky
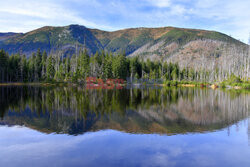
20	146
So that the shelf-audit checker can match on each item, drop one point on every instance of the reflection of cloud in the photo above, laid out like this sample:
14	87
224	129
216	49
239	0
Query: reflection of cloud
161	159
22	147
26	143
248	131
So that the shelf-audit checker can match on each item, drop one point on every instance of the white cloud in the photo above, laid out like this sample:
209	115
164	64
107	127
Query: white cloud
206	3
227	16
27	15
160	3
178	10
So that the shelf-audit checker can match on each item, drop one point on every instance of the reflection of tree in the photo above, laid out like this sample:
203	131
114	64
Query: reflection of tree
207	108
75	110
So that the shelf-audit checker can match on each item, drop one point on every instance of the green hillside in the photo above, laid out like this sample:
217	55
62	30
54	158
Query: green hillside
53	39
130	40
68	39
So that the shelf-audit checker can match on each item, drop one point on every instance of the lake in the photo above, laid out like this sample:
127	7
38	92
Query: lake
145	126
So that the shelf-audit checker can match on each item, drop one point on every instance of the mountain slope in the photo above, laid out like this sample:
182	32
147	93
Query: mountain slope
199	49
188	47
130	40
53	40
8	35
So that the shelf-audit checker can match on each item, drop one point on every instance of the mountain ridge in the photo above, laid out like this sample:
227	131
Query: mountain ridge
131	33
160	44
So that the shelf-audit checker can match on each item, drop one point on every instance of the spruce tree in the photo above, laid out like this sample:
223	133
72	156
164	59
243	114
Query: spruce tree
3	65
24	68
67	69
50	70
43	63
38	65
31	66
84	67
107	68
119	67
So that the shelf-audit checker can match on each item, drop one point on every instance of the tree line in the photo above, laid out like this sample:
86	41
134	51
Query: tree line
43	67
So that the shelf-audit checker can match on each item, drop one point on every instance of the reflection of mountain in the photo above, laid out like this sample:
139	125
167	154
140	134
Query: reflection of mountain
166	111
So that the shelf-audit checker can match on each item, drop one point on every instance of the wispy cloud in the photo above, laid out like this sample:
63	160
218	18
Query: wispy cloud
228	16
160	3
22	16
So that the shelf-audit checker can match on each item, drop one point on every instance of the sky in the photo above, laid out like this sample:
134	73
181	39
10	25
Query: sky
231	17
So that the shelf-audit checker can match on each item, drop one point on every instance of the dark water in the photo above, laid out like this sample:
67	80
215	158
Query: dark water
59	126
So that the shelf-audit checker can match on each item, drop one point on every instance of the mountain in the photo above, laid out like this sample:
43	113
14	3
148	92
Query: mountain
153	40
8	35
64	40
188	47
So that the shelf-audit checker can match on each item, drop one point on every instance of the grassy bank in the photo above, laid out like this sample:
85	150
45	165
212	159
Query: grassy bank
235	84
34	84
231	85
187	83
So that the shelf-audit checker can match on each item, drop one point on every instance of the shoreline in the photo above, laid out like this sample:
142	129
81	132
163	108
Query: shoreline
212	86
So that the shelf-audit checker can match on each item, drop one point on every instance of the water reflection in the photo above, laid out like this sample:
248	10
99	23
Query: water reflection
21	146
169	111
248	131
41	126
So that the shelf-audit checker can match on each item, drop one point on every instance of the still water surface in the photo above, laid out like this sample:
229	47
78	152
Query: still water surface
62	126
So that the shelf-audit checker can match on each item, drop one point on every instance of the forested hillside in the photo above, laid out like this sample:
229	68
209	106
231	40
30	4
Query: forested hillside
55	40
42	67
72	53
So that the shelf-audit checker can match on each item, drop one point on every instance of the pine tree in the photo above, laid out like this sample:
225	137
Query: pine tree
60	74
174	74
67	69
107	69
84	67
102	58
38	65
135	67
14	68
31	66
24	68
50	70
44	59
119	67
3	65
96	65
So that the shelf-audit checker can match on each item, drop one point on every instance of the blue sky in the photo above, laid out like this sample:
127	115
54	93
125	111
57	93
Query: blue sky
228	16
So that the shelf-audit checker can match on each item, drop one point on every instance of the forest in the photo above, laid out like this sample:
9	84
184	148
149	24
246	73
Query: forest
41	67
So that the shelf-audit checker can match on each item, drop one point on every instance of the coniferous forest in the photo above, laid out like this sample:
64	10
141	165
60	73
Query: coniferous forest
41	67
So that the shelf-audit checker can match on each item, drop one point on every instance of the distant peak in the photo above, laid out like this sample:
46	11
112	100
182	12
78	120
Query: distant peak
76	25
